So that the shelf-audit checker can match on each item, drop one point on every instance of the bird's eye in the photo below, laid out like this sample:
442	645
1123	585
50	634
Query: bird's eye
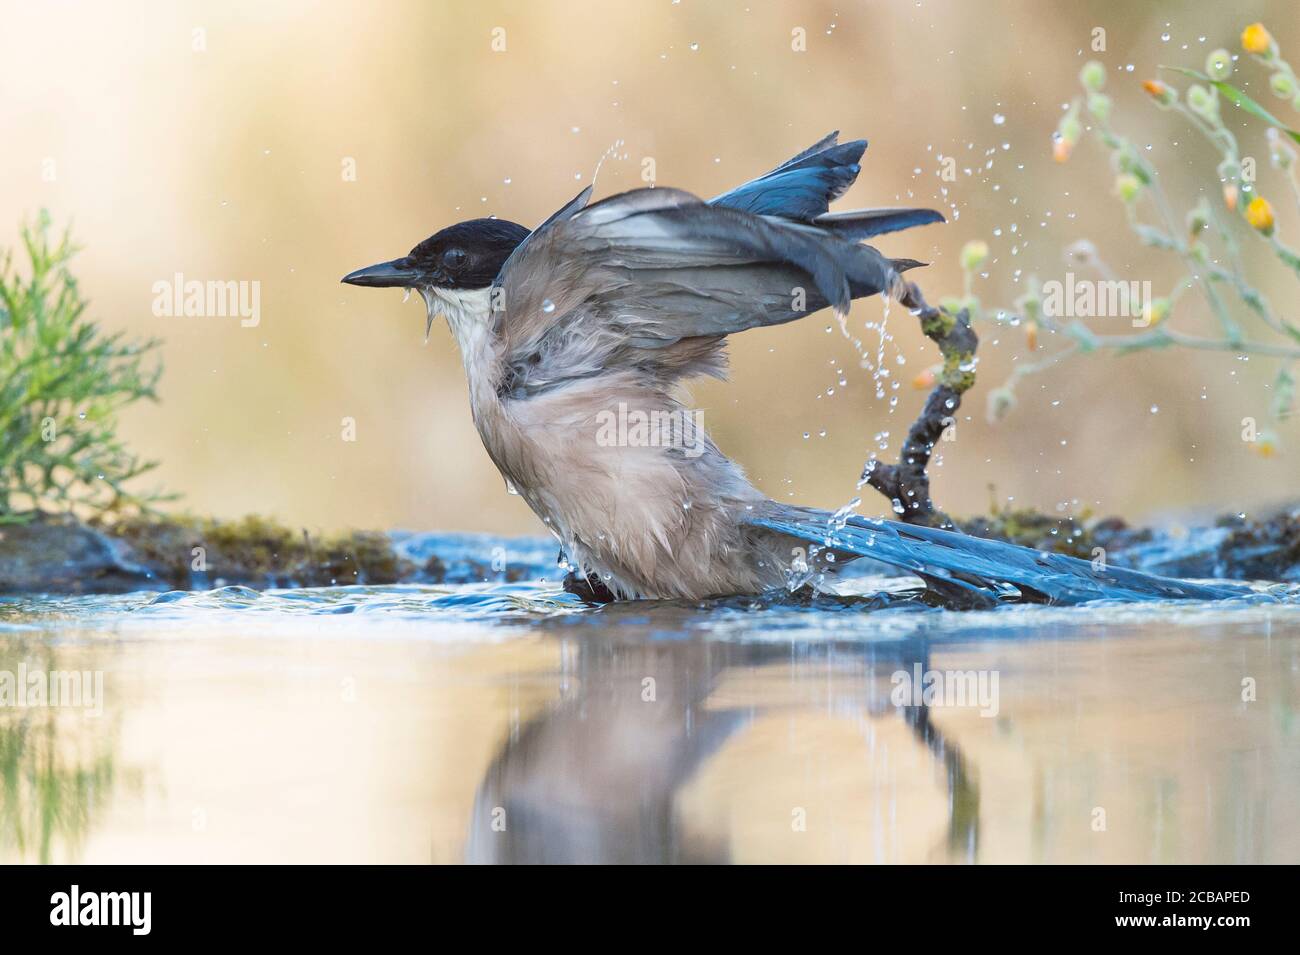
454	258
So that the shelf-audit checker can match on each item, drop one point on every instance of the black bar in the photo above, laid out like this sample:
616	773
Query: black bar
332	904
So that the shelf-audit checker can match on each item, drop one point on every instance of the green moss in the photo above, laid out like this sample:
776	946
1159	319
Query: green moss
1061	535
937	323
257	551
958	373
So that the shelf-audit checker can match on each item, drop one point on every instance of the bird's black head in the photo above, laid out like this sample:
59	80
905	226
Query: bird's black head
467	255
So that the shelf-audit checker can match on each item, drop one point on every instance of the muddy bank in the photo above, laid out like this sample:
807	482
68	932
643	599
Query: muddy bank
59	554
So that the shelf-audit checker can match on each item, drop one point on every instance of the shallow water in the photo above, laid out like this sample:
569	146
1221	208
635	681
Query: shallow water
507	722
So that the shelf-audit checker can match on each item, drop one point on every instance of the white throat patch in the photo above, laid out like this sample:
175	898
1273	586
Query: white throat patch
467	312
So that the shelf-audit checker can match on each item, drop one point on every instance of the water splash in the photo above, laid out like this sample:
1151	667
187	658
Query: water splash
610	153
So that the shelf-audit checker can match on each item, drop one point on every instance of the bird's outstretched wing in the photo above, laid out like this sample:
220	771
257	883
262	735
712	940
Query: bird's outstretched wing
566	211
802	188
627	280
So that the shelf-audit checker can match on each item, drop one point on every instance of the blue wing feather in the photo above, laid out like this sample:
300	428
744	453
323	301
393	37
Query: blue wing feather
802	187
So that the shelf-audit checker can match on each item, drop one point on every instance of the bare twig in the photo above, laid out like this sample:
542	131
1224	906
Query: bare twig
907	484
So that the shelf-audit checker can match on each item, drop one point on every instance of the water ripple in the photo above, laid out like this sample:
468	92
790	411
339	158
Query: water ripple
880	610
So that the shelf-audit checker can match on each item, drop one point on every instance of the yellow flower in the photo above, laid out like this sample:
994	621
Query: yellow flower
1260	215
1031	335
1155	312
1265	444
1255	39
924	381
1230	196
1060	149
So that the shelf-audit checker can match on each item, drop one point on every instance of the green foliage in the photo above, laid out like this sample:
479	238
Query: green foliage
1211	241
1238	98
63	381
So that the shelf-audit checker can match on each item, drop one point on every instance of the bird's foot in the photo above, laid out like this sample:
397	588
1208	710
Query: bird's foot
588	588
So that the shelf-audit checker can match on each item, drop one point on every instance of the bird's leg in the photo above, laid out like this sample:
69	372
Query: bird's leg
588	587
907	482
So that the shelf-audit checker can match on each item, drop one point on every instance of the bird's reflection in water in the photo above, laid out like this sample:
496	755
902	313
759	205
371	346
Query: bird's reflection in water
599	777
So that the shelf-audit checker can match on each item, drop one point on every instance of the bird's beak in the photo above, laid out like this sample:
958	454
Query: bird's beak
395	274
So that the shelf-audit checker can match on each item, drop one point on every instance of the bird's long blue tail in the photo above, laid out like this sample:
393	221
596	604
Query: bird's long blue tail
975	571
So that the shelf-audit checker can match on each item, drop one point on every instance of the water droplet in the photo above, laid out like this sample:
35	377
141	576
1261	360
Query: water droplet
998	119
548	306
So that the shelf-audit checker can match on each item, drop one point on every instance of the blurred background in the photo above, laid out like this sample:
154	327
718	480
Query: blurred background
291	142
